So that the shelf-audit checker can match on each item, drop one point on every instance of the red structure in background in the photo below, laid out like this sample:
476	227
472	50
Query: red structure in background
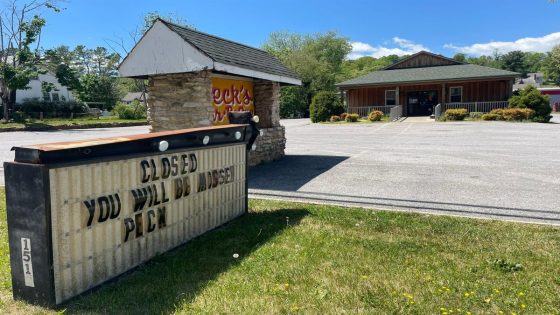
554	94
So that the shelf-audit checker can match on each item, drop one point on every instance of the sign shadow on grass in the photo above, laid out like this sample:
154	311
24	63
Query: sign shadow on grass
179	276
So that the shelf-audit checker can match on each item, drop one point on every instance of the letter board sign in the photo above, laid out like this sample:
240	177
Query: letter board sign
82	213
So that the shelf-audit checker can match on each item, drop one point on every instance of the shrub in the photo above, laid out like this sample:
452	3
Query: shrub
531	98
134	110
51	109
324	105
490	117
343	116
335	118
375	115
513	114
455	114
19	117
352	117
475	115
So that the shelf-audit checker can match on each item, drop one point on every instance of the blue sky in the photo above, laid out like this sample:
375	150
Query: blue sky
374	27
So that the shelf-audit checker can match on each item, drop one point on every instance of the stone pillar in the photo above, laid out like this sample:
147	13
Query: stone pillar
267	103
180	101
272	142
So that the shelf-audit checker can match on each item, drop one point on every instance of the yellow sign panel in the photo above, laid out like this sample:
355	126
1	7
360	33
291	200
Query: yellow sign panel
230	95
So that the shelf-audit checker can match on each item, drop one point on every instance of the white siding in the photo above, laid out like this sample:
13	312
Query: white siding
35	89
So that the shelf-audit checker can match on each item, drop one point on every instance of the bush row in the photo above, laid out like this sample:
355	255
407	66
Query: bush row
373	116
134	110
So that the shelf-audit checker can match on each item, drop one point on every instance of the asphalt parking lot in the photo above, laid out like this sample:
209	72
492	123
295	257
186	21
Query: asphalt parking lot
508	171
22	138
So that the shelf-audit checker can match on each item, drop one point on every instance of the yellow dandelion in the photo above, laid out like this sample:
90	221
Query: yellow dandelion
496	290
487	300
442	309
364	277
466	294
523	306
501	312
469	313
521	294
444	313
295	308
286	285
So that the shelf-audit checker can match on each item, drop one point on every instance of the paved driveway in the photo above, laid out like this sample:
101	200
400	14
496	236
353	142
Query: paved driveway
499	170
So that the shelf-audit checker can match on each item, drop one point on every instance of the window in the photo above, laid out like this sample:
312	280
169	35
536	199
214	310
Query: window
455	94
63	98
46	97
55	97
390	97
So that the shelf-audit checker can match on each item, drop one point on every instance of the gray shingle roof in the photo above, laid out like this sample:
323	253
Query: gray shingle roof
232	53
428	74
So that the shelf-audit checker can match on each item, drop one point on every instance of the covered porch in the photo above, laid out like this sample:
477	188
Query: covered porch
422	99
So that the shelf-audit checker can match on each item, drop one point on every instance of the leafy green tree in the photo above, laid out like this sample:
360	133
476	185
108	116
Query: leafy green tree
324	105
317	59
95	88
294	104
486	61
531	98
552	65
514	61
354	68
20	28
535	61
460	57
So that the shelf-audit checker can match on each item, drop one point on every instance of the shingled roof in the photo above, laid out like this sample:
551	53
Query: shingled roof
428	74
232	53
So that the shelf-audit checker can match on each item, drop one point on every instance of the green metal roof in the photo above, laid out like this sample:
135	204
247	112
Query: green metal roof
428	74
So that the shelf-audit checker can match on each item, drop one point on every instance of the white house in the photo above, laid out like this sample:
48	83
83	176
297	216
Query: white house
59	93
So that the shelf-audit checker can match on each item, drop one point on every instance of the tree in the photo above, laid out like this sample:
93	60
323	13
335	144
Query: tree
535	61
354	68
460	57
531	98
95	88
317	59
324	105
20	28
60	61
552	65
514	61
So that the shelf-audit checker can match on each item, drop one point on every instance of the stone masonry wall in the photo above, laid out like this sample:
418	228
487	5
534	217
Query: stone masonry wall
270	146
267	103
179	101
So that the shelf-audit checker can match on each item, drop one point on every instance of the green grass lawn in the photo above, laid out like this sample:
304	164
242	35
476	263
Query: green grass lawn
316	259
35	123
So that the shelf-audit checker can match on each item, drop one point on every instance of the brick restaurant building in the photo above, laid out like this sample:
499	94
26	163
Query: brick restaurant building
195	79
423	80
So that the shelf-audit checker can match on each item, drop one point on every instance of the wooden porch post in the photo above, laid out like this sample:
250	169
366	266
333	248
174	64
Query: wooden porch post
442	102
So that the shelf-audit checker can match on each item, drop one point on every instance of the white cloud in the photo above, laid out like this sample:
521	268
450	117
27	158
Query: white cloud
403	47
538	44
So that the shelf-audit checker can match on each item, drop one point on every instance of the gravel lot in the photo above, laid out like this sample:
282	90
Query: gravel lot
501	170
